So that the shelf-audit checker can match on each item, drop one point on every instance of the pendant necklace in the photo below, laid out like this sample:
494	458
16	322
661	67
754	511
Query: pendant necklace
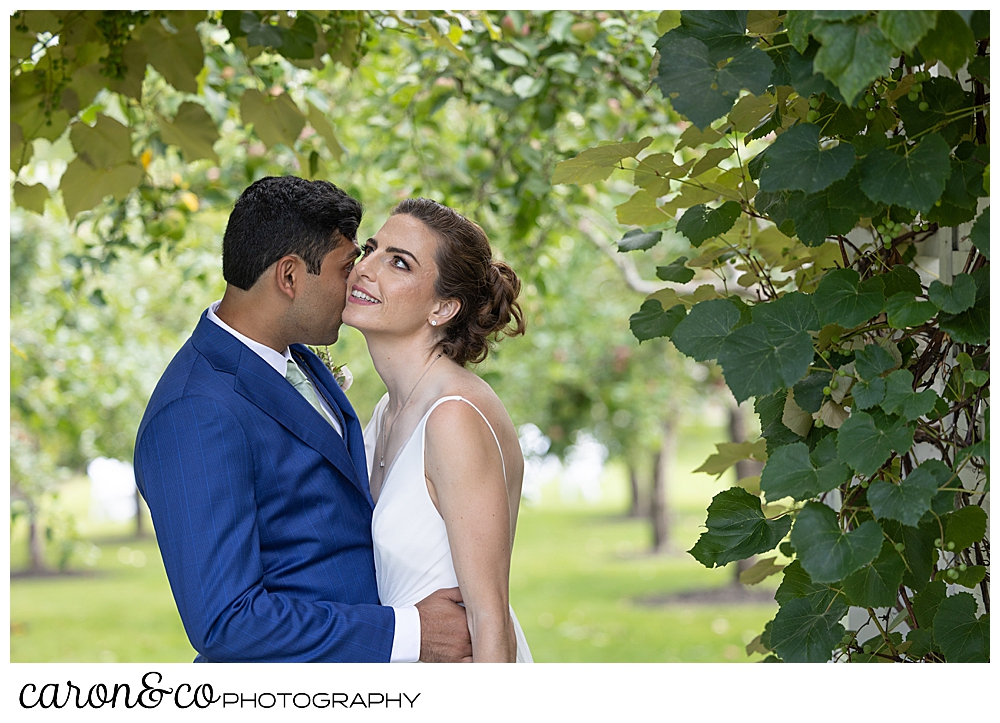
385	436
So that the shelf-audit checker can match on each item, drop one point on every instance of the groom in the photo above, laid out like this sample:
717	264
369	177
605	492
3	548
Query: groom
252	462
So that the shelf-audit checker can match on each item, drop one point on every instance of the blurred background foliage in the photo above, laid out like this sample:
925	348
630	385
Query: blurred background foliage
132	135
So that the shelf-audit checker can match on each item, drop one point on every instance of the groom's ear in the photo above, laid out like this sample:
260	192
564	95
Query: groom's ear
286	273
444	311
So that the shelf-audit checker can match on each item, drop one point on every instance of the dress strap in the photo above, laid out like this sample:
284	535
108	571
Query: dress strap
496	439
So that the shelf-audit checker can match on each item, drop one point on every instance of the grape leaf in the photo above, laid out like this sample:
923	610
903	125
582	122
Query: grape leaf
755	361
193	131
737	529
596	164
651	321
956	298
636	240
911	498
791	472
902	400
965	527
866	446
962	637
701	222
877	584
901	278
797	162
842	298
873	361
973	325
802	634
918	549
275	121
926	602
952	41
980	234
914	180
675	271
905	28
827	553
701	334
904	310
868	393
852	56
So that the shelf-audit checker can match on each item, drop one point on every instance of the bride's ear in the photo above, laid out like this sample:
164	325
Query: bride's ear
444	311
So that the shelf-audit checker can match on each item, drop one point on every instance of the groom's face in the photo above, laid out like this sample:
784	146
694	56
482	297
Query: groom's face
323	296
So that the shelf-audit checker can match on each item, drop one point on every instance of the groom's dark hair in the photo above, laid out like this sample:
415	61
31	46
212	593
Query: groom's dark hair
278	216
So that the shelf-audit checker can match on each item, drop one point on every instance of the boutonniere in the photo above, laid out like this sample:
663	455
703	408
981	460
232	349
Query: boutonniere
341	374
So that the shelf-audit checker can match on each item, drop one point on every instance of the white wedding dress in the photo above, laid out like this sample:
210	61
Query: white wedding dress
412	554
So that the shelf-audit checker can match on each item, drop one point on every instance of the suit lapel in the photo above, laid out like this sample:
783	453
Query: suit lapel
260	384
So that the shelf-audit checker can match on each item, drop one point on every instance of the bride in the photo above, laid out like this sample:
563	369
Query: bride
445	465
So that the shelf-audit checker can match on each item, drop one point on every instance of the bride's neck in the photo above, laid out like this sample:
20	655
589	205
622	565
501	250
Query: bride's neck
401	362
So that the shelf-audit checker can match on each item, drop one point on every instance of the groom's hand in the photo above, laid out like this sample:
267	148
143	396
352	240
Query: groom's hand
444	628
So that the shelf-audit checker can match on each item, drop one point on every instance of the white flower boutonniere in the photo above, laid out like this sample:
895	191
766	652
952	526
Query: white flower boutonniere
340	372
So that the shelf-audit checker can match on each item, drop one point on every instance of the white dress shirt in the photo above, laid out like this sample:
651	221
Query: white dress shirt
406	638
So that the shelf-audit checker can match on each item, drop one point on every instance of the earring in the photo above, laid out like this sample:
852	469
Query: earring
434	323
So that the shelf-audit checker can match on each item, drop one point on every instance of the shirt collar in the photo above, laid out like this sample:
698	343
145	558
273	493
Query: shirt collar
276	360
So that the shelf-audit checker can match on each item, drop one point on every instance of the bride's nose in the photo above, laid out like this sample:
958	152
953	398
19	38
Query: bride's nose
363	268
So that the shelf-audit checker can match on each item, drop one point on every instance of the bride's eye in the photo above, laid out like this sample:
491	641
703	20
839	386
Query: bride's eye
366	250
399	263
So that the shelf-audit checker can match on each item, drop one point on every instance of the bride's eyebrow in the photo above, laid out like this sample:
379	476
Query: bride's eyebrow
396	250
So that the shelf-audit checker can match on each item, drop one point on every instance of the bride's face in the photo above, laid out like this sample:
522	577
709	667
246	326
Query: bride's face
391	288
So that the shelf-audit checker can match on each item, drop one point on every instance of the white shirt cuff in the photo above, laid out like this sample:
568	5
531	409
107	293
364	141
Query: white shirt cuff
406	639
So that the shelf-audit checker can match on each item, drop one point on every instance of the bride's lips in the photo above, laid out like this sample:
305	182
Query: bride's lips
359	296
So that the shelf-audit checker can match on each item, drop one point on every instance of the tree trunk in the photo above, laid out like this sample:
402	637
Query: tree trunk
744	467
639	506
36	548
659	507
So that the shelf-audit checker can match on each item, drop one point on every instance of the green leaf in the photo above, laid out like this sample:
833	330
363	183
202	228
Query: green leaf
700	222
755	361
921	642
796	583
915	179
651	321
808	393
105	145
901	278
852	56
903	310
84	186
701	334
31	197
737	529
872	361
760	571
918	549
275	120
640	210
748	111
952	41
788	315
877	584
702	84
193	131
636	240
962	637
802	634
866	447
980	234
911	498
827	553
298	42
770	409
800	24
946	111
667	21
512	56
954	299
970	577
868	393
712	158
177	56
842	298
964	527
596	164
729	453
973	325
318	120
791	472
926	603
902	400
797	162
818	216
675	271
905	28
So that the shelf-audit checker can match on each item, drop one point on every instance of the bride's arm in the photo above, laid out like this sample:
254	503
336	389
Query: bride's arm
465	479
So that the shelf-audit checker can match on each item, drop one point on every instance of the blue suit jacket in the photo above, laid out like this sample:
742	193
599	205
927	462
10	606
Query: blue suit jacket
262	512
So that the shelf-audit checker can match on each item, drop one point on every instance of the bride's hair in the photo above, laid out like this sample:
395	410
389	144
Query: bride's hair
486	289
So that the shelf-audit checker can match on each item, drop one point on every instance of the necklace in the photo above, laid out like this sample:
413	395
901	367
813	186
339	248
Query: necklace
385	436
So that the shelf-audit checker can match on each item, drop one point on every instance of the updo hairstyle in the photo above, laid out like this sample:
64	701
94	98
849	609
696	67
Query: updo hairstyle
486	289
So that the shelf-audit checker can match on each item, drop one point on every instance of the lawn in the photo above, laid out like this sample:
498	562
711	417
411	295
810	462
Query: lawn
580	573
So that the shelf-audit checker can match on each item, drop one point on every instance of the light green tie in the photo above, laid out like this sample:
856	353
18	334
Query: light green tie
301	382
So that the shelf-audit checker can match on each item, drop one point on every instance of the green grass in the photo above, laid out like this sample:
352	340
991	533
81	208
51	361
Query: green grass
579	573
